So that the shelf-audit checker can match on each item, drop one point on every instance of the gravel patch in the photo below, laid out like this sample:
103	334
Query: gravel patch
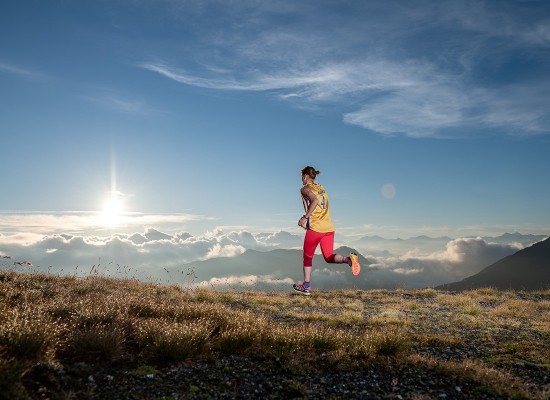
246	377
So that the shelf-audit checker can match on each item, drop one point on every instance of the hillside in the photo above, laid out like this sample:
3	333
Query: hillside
528	269
99	338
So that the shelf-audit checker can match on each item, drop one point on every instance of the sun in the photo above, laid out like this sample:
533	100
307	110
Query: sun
112	209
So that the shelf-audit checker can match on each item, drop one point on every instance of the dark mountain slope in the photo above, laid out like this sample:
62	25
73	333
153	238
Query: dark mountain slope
528	269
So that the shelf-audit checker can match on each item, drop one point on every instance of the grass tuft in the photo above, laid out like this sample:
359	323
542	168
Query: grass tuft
103	343
166	341
28	334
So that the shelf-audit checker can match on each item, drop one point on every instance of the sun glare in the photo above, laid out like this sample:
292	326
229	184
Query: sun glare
112	210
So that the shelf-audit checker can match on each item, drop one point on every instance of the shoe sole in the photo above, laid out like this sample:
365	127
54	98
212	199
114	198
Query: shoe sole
304	293
355	267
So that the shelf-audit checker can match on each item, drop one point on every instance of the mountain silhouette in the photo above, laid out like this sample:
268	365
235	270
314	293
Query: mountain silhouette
527	269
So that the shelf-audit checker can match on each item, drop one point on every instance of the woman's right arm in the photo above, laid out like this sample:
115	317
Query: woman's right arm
313	200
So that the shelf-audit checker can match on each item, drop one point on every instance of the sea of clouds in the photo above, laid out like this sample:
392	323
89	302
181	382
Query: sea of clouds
151	254
66	252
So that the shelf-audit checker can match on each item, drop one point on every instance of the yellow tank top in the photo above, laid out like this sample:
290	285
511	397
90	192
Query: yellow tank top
319	220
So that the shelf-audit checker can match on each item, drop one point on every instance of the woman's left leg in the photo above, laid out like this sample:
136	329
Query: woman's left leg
311	241
327	248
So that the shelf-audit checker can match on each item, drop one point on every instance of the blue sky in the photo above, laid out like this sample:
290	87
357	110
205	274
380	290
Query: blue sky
424	117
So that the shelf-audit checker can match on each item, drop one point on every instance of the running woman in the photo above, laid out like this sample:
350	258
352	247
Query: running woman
319	230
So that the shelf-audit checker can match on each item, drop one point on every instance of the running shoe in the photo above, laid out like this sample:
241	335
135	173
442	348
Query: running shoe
299	287
355	267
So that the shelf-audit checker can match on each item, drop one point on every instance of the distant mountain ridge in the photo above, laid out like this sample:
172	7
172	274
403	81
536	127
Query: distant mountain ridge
379	246
516	237
527	269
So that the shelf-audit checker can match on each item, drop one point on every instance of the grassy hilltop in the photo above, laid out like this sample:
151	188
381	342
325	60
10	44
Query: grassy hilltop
66	337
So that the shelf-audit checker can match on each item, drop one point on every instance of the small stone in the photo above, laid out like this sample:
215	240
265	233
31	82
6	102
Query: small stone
458	389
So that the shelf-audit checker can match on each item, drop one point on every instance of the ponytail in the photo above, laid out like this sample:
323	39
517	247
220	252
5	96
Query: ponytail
310	171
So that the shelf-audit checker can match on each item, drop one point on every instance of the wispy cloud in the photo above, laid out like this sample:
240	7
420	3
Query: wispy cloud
518	21
115	102
407	98
21	72
258	82
416	74
521	107
40	223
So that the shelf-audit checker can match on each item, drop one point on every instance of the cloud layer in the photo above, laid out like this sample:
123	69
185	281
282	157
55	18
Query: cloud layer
156	256
150	250
461	258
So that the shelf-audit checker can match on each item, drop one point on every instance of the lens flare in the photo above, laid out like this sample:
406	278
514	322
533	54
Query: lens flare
388	190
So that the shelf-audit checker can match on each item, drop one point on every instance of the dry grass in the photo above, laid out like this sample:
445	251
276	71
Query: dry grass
64	320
